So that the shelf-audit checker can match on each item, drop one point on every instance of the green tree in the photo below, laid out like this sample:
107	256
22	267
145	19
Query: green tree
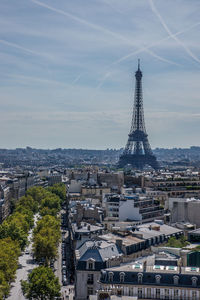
41	284
45	245
9	252
177	243
48	211
51	200
29	216
50	222
29	203
20	220
37	192
46	238
60	190
14	231
4	286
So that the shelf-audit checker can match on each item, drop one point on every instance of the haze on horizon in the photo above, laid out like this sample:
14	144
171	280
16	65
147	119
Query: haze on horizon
67	72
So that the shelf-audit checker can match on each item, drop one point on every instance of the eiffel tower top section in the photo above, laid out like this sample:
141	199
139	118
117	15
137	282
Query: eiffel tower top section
138	112
138	151
138	73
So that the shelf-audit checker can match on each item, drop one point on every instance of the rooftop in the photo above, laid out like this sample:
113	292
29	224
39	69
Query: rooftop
126	240
153	229
196	231
85	228
139	267
98	250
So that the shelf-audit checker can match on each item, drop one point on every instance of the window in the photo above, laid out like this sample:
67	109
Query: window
130	291
158	277
110	276
90	264
157	293
90	291
139	292
140	275
194	281
90	279
194	295
183	296
176	294
166	294
148	292
122	275
176	279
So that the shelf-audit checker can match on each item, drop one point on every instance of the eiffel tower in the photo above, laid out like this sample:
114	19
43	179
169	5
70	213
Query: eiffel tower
138	151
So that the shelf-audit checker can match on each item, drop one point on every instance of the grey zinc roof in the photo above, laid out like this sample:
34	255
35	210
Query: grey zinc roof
196	231
98	250
164	229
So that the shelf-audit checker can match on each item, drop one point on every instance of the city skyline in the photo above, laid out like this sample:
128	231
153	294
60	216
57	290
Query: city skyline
67	72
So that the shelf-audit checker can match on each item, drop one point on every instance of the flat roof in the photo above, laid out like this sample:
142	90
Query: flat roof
147	231
126	240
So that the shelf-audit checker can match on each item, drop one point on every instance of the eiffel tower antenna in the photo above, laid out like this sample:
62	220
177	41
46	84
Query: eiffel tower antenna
138	151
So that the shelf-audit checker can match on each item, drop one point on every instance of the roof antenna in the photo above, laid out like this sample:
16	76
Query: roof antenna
138	64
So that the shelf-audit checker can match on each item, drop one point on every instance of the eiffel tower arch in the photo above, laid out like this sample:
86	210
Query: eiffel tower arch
138	151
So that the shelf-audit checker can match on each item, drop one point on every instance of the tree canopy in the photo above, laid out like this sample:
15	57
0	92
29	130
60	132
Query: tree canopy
41	284
177	243
46	238
9	252
14	233
60	190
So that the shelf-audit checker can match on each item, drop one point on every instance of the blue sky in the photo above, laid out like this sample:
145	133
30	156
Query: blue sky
67	72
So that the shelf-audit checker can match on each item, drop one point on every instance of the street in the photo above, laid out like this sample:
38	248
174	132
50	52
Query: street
58	265
26	265
67	292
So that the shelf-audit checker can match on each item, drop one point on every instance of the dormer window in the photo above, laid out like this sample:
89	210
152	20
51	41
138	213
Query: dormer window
121	276
91	264
110	276
157	277
194	281
140	275
176	279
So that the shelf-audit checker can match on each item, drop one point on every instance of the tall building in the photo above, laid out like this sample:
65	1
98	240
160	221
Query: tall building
138	151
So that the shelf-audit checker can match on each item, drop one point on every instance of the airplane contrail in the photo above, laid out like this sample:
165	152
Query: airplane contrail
161	58
145	48
148	51
96	27
76	79
20	47
156	43
156	12
103	79
82	21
